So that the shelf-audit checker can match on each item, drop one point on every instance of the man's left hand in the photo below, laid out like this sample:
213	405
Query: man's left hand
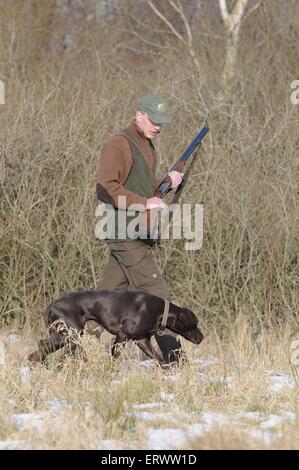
176	178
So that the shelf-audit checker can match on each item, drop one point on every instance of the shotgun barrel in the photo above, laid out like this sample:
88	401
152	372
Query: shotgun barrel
165	186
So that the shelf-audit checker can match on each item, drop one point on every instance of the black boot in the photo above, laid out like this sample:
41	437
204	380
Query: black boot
171	348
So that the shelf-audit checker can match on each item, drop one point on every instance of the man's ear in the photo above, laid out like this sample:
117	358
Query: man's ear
138	116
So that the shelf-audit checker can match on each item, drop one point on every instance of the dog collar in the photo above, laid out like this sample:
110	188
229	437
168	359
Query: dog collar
161	330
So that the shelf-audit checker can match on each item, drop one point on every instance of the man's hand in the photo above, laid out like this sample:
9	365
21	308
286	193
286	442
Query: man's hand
154	203
176	178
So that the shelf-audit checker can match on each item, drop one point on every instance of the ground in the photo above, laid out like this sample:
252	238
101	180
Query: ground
239	394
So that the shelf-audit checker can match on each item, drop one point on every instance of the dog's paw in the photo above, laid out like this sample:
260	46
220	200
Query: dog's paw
36	356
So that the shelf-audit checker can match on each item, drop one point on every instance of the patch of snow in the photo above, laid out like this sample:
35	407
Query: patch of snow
202	375
167	396
271	422
173	377
254	415
206	362
56	405
108	444
13	445
25	373
266	436
275	420
35	420
147	416
167	438
276	381
32	420
162	439
279	381
196	430
13	338
148	405
215	419
289	416
148	364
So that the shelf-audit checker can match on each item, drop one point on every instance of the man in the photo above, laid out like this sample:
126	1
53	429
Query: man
126	176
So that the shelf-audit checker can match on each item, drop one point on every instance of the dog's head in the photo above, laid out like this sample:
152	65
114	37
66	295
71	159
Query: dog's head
186	325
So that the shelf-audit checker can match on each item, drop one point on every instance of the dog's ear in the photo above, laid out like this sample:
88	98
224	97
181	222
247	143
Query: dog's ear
187	318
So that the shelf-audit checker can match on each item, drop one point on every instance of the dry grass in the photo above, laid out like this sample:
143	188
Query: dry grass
61	106
59	113
98	400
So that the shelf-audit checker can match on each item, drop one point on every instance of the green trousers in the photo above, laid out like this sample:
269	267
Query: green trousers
131	266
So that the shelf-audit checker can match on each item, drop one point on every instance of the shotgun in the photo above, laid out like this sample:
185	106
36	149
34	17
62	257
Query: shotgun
147	226
179	165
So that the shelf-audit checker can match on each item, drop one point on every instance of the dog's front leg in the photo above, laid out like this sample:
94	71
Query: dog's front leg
117	346
146	346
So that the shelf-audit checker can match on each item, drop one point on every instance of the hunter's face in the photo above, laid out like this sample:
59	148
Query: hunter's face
149	128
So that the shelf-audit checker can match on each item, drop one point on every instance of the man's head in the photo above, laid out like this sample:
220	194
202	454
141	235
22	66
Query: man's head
152	112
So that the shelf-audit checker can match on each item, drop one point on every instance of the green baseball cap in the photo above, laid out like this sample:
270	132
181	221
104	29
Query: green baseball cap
156	108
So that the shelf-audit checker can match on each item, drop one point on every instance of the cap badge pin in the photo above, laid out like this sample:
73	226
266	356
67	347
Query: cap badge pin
161	107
